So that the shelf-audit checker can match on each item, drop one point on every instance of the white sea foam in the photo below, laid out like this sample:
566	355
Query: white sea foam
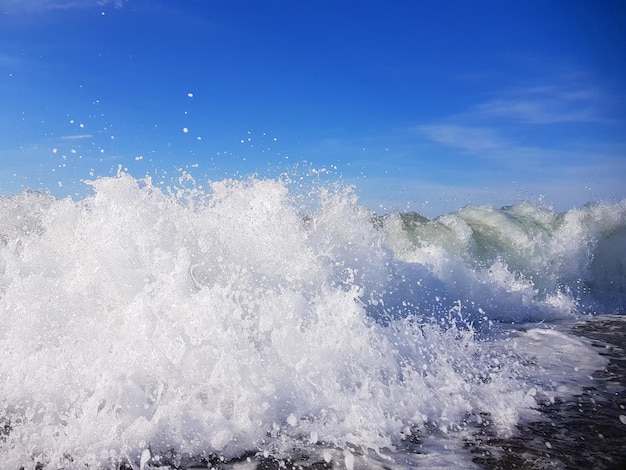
137	323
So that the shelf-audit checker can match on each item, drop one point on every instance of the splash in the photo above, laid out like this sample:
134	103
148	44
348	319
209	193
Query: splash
522	262
144	326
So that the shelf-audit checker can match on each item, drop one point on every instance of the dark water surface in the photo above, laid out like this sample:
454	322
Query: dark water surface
584	432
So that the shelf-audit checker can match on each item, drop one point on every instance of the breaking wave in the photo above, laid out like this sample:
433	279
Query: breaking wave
145	326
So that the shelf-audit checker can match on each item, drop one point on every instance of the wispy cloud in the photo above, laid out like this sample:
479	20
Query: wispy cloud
471	139
30	6
489	150
570	98
514	137
546	107
76	137
520	121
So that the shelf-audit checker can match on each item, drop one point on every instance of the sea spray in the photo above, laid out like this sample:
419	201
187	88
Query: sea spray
522	261
144	326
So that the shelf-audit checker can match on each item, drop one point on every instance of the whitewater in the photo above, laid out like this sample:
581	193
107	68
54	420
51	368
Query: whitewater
146	327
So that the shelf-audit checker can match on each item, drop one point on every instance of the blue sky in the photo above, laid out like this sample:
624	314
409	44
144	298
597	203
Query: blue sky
422	105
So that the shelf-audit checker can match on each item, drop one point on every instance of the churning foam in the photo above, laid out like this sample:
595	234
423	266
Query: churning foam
138	323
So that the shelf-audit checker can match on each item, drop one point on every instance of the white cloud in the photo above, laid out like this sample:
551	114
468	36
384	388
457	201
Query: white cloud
516	125
471	139
30	6
541	111
76	137
488	144
549	104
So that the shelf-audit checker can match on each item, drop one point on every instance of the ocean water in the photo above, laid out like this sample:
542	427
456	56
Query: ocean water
243	323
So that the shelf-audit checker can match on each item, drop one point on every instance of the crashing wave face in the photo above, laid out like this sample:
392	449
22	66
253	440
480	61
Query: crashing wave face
198	324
